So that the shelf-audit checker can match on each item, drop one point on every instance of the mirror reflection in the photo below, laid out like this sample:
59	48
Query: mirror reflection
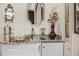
36	12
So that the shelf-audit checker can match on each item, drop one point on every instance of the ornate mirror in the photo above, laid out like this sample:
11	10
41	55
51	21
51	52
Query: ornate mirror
36	12
9	16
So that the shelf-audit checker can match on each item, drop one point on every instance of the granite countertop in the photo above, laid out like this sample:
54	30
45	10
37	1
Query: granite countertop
52	41
41	41
47	40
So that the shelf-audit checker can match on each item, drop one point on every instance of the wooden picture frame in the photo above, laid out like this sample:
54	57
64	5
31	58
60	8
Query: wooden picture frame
76	18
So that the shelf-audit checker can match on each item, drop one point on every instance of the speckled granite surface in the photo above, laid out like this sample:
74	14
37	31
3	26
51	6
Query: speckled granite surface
37	39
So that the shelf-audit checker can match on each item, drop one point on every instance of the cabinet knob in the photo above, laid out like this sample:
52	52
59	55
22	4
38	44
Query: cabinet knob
43	47
38	48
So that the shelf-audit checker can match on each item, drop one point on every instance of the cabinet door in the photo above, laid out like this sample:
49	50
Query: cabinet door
52	49
20	50
0	49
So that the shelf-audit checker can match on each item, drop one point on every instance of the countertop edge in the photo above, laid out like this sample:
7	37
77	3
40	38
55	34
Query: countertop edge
42	41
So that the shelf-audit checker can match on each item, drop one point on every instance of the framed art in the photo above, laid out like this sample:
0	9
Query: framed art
76	18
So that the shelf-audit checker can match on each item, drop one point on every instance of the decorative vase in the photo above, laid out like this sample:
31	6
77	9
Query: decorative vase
53	18
52	34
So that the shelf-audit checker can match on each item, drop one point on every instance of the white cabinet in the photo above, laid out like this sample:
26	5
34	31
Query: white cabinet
34	49
0	49
21	50
52	49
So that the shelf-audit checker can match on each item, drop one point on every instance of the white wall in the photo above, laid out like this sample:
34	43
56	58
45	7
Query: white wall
60	10
20	24
23	26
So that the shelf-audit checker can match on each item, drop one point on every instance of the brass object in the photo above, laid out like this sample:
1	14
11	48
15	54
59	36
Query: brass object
20	38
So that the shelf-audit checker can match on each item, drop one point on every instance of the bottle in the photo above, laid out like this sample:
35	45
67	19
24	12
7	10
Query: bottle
42	34
32	34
